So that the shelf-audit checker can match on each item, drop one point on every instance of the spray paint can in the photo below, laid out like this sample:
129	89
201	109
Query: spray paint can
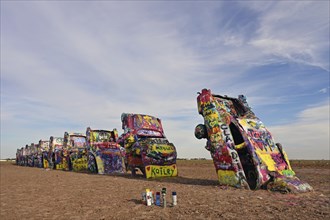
158	198
164	197
174	199
148	194
152	194
144	198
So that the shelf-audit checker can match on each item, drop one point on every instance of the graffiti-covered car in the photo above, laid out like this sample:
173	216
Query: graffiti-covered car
105	155
44	151
36	155
55	155
75	151
147	147
38	159
17	160
20	160
29	155
243	150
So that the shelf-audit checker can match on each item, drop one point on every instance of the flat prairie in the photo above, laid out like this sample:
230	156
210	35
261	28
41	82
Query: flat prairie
35	193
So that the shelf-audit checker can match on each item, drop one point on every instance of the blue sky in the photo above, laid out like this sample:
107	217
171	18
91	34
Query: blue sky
69	65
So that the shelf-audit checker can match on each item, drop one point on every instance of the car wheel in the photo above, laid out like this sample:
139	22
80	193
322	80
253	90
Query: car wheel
69	164
252	179
133	170
143	171
92	166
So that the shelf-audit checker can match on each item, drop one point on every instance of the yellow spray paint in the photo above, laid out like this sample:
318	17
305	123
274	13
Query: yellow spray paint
267	159
59	166
80	164
228	177
100	165
265	156
287	160
45	162
162	148
153	171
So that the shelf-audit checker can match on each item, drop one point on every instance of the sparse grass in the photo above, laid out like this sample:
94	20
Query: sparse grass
310	163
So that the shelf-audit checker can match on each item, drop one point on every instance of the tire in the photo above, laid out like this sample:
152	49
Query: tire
133	170
126	167
53	162
92	165
69	164
42	161
252	179
143	171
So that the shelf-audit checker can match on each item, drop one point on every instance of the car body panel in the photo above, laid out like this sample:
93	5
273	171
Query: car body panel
75	151
105	155
20	159
37	156
56	159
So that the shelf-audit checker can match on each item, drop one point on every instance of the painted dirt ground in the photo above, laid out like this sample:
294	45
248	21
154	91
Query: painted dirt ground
34	193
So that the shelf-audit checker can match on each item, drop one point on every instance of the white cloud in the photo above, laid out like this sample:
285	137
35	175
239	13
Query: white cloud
324	90
297	31
308	137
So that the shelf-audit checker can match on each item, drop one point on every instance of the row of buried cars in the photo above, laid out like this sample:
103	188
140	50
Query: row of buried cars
142	147
244	152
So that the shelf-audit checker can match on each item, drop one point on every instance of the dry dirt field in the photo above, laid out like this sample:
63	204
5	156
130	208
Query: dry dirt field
34	193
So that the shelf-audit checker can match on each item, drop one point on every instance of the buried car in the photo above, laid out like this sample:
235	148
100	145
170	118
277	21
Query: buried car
37	156
44	150
75	151
20	158
105	155
243	150
146	146
29	155
55	155
41	148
